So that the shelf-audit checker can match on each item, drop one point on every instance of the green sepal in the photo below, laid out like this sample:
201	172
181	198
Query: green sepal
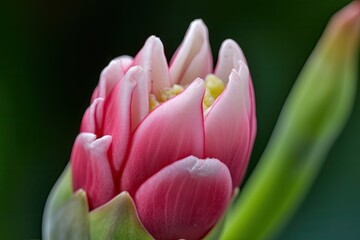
66	214
117	219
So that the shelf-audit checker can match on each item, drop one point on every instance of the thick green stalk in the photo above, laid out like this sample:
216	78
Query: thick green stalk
312	118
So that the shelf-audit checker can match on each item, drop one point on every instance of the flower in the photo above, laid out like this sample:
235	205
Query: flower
177	138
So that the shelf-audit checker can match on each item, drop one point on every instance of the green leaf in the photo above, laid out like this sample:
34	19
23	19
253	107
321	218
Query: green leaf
312	118
117	219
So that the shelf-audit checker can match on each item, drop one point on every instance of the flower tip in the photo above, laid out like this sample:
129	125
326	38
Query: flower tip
348	17
198	26
198	22
198	83
135	72
153	40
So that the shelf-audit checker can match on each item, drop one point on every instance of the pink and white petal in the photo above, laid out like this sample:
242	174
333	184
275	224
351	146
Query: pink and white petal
244	78
91	170
229	55
253	122
244	73
172	131
95	94
227	128
117	113
111	75
152	58
193	58
140	100
92	119
185	199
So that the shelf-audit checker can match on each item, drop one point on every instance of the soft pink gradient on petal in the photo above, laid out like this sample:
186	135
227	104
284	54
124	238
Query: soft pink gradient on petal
152	58
92	119
253	121
193	58
229	55
185	199
139	101
91	170
117	115
244	73
172	131
111	75
227	130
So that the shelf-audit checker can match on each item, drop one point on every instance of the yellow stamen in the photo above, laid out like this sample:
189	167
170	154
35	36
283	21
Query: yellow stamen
168	93
153	102
214	87
208	99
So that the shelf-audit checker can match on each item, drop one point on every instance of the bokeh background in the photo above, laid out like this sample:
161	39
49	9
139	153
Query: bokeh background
52	53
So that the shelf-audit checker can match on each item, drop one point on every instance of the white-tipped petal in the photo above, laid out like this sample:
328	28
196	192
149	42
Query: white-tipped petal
229	55
152	58
193	58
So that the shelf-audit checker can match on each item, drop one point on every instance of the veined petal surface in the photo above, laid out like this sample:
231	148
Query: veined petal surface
172	131
185	199
227	130
91	169
193	58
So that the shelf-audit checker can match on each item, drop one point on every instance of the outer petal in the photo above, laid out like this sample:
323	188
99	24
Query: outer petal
152	58
172	131
229	55
111	75
253	122
91	170
227	127
117	108
185	199
193	58
92	119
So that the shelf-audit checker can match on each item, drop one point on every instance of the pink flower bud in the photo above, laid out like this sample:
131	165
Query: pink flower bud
178	138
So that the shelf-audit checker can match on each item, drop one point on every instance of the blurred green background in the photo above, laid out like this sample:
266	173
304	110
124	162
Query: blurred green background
52	53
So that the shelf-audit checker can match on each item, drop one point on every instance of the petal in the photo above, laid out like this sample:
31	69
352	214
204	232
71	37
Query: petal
152	58
117	108
92	119
253	122
111	75
193	58
91	170
229	55
185	199
227	128
140	100
171	132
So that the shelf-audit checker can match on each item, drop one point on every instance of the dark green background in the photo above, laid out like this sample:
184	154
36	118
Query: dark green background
53	52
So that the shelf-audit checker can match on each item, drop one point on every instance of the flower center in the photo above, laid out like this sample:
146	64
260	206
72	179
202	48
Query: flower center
214	86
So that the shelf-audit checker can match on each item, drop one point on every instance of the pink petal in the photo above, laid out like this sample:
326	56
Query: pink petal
253	122
172	131
227	127
140	100
185	199
229	55
152	58
111	75
91	170
92	119
117	109
193	58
